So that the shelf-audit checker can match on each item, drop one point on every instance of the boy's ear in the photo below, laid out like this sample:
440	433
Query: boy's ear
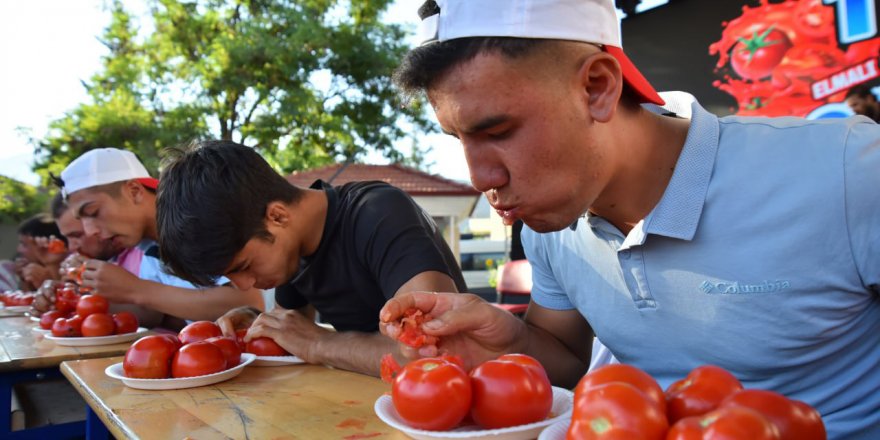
134	190
602	82
277	214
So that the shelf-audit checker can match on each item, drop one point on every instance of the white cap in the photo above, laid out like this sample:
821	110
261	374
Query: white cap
102	166
590	21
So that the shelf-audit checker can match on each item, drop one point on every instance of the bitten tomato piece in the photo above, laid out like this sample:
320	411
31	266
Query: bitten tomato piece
411	329
389	368
197	359
701	391
150	357
432	394
56	246
794	419
509	391
199	331
264	346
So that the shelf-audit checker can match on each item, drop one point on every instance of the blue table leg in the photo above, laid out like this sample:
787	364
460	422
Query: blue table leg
95	429
62	431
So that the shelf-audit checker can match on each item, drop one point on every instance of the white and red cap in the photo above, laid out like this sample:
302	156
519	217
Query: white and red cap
590	21
102	166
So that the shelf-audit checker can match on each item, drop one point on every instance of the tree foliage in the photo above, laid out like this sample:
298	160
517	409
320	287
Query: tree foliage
18	200
306	82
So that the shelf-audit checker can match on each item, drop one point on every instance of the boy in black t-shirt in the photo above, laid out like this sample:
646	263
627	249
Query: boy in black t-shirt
341	251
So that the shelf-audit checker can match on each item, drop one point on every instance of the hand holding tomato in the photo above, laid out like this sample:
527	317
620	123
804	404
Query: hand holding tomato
236	319
466	325
293	331
111	281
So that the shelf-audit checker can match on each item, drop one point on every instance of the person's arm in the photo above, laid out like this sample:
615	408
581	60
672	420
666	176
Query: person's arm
478	331
354	351
119	285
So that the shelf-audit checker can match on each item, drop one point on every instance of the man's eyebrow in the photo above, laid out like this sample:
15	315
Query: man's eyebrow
486	123
79	212
237	268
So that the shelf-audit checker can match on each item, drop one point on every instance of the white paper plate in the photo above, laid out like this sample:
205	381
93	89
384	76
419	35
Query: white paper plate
41	330
115	371
562	402
81	341
17	309
274	361
32	317
556	431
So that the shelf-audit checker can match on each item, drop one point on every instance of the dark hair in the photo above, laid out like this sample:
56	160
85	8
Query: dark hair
40	225
57	207
423	65
211	201
862	91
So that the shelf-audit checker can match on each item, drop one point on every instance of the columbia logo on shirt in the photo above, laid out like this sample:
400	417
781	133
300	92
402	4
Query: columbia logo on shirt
732	287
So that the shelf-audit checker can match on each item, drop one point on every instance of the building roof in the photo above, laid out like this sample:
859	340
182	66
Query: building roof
411	180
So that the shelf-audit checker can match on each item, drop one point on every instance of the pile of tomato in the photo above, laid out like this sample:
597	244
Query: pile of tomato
438	394
623	402
89	318
199	349
16	298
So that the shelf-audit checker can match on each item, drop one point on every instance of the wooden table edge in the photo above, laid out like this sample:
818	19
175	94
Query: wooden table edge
103	412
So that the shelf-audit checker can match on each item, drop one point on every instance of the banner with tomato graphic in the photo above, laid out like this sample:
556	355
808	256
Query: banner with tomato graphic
797	57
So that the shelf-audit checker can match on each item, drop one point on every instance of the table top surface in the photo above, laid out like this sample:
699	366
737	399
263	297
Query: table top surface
296	401
22	348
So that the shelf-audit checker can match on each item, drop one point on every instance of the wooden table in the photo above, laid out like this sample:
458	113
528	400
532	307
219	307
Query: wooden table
297	401
26	355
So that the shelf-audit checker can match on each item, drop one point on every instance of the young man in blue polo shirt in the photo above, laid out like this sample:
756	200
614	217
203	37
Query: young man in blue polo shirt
749	243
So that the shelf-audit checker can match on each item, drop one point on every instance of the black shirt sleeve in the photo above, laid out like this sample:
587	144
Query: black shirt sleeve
396	239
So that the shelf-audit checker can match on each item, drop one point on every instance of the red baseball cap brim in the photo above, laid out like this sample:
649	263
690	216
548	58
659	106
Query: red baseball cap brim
149	182
637	82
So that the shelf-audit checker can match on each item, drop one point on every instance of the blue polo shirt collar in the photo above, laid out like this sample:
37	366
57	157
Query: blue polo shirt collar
678	212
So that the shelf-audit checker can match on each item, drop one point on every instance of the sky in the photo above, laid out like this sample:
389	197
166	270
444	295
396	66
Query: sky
48	47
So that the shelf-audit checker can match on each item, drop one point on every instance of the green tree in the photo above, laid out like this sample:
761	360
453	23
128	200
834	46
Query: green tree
19	200
307	82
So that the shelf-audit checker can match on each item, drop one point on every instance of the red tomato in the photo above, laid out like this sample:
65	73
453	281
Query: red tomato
199	331
389	368
198	359
700	392
48	318
89	304
126	322
57	246
795	420
230	348
731	423
98	324
264	346
411	329
66	299
626	374
432	394
173	339
509	391
616	410
755	57
239	337
67	327
149	358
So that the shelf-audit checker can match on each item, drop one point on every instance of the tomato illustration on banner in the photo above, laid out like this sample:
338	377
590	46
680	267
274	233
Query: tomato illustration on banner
794	57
